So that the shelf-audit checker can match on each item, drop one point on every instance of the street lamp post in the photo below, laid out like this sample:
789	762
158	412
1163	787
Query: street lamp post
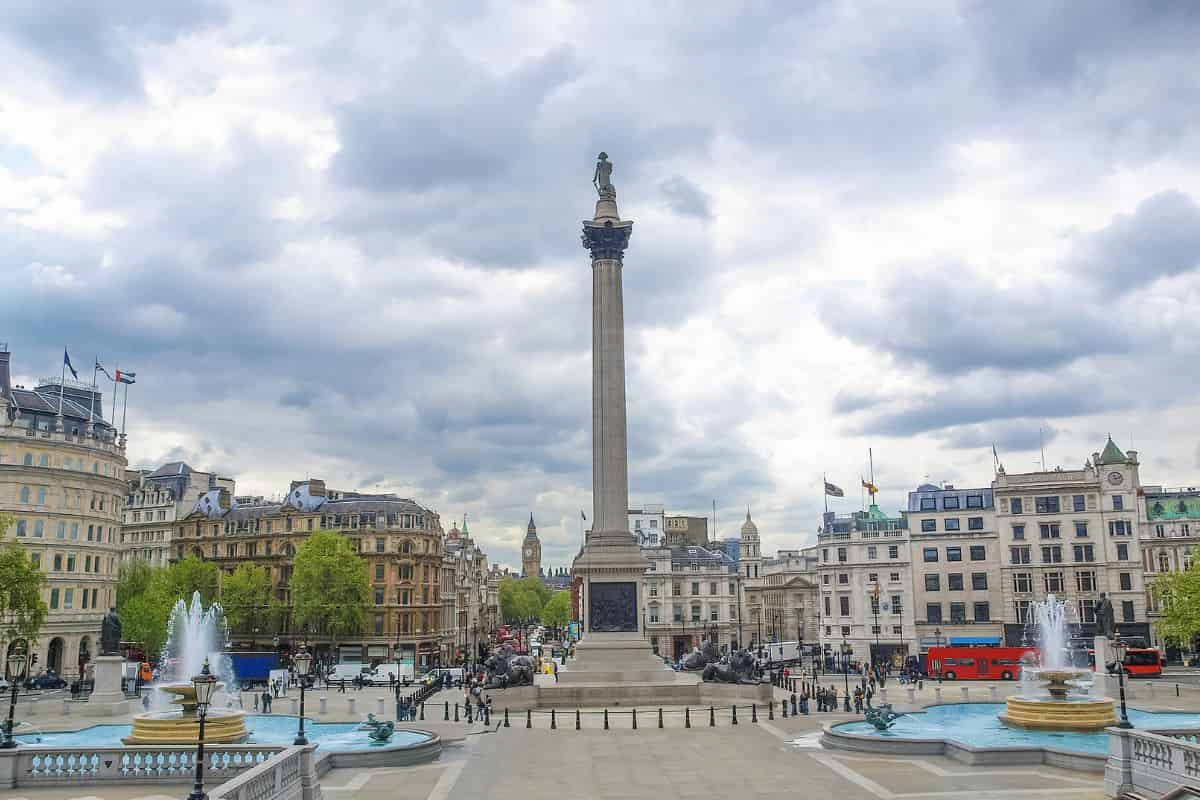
937	638
1120	648
302	661
205	684
846	651
17	662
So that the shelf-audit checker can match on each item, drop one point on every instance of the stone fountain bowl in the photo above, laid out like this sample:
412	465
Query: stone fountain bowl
1059	712
182	726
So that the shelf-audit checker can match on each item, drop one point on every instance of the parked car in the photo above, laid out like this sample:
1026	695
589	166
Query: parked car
46	680
5	687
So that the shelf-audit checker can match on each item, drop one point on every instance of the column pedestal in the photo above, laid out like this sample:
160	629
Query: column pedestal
107	698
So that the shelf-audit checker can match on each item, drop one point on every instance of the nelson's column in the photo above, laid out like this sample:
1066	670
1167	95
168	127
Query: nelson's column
610	564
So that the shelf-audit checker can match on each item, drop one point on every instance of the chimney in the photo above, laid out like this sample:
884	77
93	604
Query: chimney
5	379
212	480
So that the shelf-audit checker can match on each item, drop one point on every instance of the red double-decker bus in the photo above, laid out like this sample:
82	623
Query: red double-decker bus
977	663
1140	662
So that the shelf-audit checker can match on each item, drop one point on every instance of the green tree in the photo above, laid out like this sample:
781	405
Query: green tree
192	575
144	601
522	599
557	611
330	590
247	600
22	610
1179	595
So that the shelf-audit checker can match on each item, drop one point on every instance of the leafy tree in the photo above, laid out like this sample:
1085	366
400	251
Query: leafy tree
22	610
144	601
557	611
330	590
247	600
192	575
1179	595
522	599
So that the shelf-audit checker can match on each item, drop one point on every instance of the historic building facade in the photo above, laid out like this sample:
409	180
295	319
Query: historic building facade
1169	535
531	552
690	593
956	573
400	541
157	500
62	470
1073	534
781	605
469	606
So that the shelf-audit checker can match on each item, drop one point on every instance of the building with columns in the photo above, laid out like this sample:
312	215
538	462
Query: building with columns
781	605
62	480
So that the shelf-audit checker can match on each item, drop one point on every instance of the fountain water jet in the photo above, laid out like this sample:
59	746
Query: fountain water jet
194	635
1055	711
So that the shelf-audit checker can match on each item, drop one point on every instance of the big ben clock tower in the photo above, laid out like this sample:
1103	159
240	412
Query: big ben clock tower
531	552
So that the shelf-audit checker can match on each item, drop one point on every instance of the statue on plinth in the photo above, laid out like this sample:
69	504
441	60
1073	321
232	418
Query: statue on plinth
1106	624
602	177
700	658
505	669
737	667
110	634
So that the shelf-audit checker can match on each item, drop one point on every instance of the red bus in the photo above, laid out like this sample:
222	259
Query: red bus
1140	662
978	663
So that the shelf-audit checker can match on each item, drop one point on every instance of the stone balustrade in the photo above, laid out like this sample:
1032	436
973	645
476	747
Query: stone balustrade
290	775
1151	762
48	765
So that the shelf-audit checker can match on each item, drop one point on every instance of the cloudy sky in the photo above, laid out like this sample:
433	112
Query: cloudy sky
342	240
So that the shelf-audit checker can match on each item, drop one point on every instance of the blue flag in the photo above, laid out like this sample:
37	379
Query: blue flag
67	364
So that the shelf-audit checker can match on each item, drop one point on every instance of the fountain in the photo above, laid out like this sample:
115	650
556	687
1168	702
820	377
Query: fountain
1054	709
193	636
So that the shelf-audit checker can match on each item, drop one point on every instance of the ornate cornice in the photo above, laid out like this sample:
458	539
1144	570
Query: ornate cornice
606	241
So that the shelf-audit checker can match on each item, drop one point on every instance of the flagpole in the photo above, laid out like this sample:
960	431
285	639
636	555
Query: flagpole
116	371
62	381
92	398
124	408
825	491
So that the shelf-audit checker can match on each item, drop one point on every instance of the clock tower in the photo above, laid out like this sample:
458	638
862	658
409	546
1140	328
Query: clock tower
531	552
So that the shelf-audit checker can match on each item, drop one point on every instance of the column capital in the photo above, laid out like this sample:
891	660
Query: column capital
607	241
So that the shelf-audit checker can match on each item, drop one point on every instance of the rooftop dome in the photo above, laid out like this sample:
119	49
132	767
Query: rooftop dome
749	529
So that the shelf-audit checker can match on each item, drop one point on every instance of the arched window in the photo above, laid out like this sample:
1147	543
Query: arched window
28	461
41	497
25	495
20	527
44	461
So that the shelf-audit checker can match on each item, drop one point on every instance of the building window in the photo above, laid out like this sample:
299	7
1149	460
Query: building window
1054	582
844	605
1118	502
974	501
380	546
1122	552
379	568
933	612
695	613
827	602
1164	562
954	581
1046	505
893	577
928	525
958	613
54	598
1084	552
930	554
974	523
654	612
379	624
1119	528
713	613
25	495
68	598
1081	529
893	551
1019	555
695	588
897	607
952	524
1126	582
843	578
933	582
378	595
20	527
979	581
1127	611
1016	506
872	552
1085	580
929	504
841	554
1052	554
983	612
1077	503
825	579
1049	530
1087	609
954	554
1018	531
676	589
978	552
1022	609
950	502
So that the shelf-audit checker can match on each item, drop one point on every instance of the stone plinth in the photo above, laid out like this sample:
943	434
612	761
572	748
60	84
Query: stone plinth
107	698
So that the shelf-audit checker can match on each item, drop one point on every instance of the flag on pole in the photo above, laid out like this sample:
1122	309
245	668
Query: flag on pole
125	377
870	487
67	364
100	367
833	490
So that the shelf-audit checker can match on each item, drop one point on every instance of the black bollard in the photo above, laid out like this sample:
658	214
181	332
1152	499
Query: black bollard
1177	690
422	712
635	719
447	719
577	719
660	718
687	717
712	717
553	720
606	719
735	714
771	710
528	718
753	712
456	712
506	718
783	707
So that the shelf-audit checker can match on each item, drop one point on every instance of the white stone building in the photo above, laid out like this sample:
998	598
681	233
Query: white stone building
689	593
647	523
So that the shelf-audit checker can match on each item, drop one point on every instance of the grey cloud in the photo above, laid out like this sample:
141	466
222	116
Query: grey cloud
298	398
93	45
1007	435
1161	238
686	198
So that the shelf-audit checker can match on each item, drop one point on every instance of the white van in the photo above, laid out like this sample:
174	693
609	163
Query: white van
401	672
348	672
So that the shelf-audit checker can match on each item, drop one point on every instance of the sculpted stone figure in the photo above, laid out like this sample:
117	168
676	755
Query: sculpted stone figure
505	669
382	732
1106	624
110	634
737	667
702	657
602	177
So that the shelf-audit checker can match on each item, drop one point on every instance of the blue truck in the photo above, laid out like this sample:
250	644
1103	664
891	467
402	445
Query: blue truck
253	668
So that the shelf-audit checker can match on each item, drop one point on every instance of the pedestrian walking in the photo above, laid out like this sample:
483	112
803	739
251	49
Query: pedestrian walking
266	702
556	672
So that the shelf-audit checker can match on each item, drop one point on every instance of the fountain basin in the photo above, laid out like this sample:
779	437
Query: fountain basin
221	726
1085	714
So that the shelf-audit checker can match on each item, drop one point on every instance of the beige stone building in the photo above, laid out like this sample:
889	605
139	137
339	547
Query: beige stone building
781	605
157	500
62	470
470	610
690	593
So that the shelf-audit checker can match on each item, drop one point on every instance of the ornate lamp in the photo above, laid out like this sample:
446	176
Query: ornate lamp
847	649
302	661
205	685
17	663
1120	648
